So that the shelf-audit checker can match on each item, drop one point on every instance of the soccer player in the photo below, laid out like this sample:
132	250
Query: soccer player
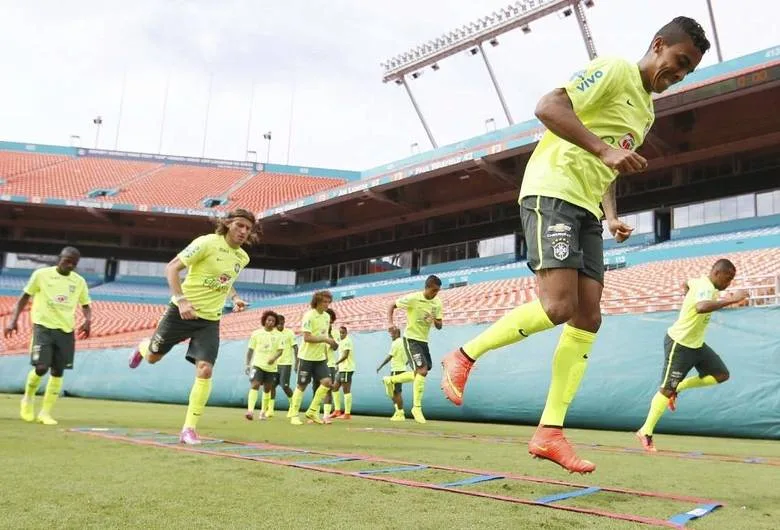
398	361
346	369
56	292
595	122
423	310
285	362
261	356
684	346
312	359
329	400
213	263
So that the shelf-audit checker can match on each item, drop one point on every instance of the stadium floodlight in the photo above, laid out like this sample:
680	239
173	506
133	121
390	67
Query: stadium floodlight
469	37
98	121
267	137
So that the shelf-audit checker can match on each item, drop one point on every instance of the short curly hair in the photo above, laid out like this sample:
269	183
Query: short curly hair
684	27
267	314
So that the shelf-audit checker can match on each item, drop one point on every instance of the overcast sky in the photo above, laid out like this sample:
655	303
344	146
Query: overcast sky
63	63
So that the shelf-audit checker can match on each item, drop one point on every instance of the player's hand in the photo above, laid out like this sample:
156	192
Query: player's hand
377	370
428	318
187	310
738	296
84	330
247	368
619	229
623	160
238	305
333	344
10	329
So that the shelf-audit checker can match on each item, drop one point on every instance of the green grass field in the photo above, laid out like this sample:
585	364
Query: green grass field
57	479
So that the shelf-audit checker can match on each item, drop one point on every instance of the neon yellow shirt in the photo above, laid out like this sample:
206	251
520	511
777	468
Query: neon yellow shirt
317	324
56	297
398	357
610	100
690	325
418	308
333	355
349	364
212	267
265	345
286	343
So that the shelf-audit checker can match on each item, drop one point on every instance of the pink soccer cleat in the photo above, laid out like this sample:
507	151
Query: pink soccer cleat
188	436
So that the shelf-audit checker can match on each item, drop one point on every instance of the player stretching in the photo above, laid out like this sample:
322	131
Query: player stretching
213	263
313	358
594	123
285	362
398	361
423	309
56	292
684	346
261	355
346	369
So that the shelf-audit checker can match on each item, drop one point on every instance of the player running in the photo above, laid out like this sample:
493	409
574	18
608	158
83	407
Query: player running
398	362
684	346
594	124
285	362
346	370
261	355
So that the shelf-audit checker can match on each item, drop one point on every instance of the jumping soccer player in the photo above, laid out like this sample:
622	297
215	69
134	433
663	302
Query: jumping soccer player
261	356
285	362
346	370
313	358
423	309
684	346
213	263
56	292
594	123
398	361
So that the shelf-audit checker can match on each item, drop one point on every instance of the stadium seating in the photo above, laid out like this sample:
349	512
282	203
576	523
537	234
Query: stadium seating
268	189
13	163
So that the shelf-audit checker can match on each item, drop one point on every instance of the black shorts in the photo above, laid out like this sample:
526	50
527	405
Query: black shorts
398	388
283	375
560	235
345	377
172	329
53	348
418	352
258	375
318	370
679	359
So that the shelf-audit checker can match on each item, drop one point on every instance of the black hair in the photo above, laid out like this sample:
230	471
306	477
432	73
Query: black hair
267	314
724	265
70	251
684	27
433	280
279	318
344	328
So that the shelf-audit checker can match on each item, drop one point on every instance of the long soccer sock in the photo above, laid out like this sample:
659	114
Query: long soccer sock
271	404
336	400
519	323
251	400
266	401
419	389
569	363
32	384
657	408
53	388
397	408
696	382
199	396
143	348
406	377
327	408
295	402
319	395
348	403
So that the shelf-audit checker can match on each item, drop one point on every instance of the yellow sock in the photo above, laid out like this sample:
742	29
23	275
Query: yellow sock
695	382
657	408
569	363
199	396
348	403
52	393
419	389
271	405
266	399
251	400
143	348
397	408
327	408
319	395
519	323
32	384
336	400
406	377
295	402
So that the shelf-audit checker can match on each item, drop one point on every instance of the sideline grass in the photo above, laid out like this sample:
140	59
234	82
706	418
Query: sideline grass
68	480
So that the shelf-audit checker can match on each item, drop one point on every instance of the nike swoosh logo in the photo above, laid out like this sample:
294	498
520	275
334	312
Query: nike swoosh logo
542	448
522	332
629	103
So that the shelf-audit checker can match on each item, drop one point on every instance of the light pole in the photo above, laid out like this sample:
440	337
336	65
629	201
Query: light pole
714	31
98	121
267	137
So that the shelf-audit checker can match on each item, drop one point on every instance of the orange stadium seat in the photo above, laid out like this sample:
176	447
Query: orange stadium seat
13	163
269	189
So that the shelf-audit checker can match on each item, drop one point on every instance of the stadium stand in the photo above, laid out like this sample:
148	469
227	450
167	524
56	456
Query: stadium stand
269	189
13	163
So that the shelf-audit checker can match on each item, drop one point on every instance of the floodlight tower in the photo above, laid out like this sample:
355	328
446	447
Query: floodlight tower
470	37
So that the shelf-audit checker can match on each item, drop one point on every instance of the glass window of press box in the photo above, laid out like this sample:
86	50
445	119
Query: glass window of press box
727	209
641	222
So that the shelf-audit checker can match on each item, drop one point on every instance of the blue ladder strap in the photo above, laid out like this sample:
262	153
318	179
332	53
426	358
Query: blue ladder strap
699	511
271	453
235	447
470	480
329	460
567	495
392	470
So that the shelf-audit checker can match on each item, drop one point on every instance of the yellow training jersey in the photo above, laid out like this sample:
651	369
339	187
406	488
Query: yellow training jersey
265	345
349	364
212	267
286	343
55	298
333	355
418	309
317	324
610	100
689	327
398	357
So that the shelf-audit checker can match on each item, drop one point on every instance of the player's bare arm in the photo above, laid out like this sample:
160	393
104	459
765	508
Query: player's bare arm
387	360
556	112
708	306
248	363
344	356
314	339
238	303
620	230
12	325
390	323
86	327
172	271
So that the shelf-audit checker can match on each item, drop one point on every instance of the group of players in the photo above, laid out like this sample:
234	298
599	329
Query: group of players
594	123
